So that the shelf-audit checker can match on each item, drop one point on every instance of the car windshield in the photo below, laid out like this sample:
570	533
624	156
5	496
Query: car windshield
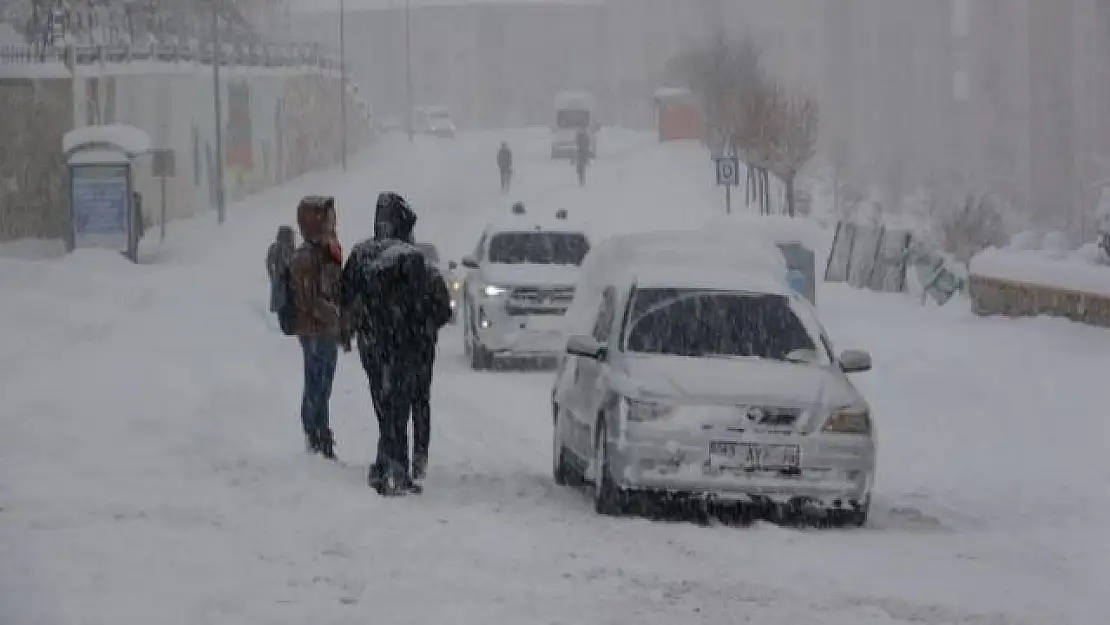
440	115
573	118
429	251
705	323
539	248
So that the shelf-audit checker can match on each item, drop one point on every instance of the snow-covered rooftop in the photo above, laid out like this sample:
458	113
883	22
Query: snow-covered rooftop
129	139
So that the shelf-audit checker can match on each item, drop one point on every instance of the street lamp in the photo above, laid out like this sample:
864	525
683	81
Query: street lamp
221	207
408	64
343	82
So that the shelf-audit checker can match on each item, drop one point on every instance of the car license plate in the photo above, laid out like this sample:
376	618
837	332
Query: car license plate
545	325
754	456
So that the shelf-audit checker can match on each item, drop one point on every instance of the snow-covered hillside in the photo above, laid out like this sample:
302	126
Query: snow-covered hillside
152	467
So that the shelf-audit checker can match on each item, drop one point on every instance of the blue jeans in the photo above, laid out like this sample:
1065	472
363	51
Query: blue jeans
320	356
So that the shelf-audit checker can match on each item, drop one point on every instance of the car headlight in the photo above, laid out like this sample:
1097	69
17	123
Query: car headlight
848	421
495	291
456	285
641	411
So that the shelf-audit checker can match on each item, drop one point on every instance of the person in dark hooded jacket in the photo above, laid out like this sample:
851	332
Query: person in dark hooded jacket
397	303
277	260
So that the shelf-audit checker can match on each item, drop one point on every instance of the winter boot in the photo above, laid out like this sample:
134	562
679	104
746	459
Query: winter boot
311	442
326	444
389	486
419	469
412	485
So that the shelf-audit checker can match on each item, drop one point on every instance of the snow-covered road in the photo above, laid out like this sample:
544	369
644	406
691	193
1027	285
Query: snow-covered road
152	469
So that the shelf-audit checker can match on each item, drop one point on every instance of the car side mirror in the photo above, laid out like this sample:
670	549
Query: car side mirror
855	361
469	262
585	346
452	265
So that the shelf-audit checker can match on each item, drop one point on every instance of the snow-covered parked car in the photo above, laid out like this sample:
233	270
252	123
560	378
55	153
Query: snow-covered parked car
520	284
450	276
701	380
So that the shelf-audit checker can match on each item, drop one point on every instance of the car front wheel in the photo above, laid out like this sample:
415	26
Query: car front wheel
559	469
609	499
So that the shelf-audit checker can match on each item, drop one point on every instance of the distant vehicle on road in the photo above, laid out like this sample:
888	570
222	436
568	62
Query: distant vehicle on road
454	285
574	111
434	120
521	282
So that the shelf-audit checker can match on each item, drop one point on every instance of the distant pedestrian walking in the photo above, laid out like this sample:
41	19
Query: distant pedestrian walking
582	155
505	164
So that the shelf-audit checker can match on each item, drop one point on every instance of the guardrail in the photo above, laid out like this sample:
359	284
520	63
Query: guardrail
243	55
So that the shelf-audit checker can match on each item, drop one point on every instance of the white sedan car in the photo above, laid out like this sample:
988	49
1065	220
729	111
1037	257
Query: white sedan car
699	381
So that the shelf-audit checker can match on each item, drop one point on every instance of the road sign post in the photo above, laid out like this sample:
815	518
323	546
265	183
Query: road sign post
728	176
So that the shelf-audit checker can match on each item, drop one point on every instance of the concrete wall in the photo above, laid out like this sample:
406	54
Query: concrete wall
995	296
34	115
277	124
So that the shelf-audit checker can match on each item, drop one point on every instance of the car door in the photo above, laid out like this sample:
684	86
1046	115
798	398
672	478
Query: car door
589	380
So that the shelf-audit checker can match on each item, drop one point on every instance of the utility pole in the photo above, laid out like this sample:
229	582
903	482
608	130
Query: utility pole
408	65
343	81
221	207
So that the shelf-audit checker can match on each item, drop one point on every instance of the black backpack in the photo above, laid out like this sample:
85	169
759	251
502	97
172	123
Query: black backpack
287	309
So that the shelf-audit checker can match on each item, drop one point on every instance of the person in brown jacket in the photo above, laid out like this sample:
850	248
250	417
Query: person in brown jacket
315	271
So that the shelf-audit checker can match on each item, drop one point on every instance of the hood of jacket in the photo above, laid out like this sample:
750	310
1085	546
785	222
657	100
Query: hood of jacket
393	218
316	219
285	237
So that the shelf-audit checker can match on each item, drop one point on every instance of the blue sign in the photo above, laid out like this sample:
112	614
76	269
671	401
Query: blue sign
100	203
797	281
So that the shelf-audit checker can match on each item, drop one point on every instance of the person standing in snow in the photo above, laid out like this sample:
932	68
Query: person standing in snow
582	155
314	274
397	303
277	260
505	164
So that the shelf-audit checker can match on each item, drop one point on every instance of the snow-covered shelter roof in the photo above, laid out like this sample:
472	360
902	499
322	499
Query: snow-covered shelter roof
129	140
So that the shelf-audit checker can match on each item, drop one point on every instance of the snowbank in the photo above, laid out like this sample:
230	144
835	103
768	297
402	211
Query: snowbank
1042	269
132	140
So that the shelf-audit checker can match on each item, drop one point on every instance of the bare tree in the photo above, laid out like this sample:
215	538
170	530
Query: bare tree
772	132
790	137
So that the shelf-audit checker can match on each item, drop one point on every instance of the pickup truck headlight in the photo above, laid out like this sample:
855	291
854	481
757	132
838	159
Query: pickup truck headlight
494	291
643	411
848	421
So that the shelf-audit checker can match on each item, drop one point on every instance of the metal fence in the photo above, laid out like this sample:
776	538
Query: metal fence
878	258
235	54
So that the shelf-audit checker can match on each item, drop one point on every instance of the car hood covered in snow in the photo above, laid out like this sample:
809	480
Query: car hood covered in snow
733	381
529	275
